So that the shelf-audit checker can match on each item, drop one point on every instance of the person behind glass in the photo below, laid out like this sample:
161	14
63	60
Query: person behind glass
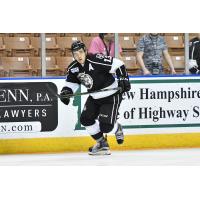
194	55
151	49
104	44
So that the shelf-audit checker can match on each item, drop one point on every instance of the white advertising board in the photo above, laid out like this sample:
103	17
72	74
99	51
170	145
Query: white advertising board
28	109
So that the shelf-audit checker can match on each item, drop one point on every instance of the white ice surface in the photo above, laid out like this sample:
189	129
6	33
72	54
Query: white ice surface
175	157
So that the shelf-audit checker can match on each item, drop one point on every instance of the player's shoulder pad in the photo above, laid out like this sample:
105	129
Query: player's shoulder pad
101	59
73	67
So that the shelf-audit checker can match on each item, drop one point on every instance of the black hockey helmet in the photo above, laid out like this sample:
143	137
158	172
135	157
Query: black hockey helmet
77	45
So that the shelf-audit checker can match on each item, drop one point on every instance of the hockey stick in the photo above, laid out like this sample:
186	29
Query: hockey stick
80	94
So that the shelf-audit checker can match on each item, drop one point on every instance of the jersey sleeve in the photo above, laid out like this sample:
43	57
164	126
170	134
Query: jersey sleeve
192	51
116	64
71	80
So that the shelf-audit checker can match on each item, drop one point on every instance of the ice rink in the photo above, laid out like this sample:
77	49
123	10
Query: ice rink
177	157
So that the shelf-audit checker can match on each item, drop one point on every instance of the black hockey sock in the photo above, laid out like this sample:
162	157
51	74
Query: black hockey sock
98	136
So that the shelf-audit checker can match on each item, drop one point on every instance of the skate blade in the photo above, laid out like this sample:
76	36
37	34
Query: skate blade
120	141
100	153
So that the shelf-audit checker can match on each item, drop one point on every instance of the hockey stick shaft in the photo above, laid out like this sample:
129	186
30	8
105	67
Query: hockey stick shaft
85	93
80	94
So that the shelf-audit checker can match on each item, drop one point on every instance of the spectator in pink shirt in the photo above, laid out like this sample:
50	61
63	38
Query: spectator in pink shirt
104	44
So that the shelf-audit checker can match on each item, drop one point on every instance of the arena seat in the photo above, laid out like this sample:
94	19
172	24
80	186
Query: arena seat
16	66
130	63
193	35
52	34
35	63
18	46
177	52
2	48
4	34
74	34
173	34
64	44
87	40
179	64
174	42
126	34
36	45
51	46
90	34
126	42
63	63
21	34
3	71
51	67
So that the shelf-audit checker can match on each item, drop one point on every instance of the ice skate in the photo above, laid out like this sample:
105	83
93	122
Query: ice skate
119	134
100	148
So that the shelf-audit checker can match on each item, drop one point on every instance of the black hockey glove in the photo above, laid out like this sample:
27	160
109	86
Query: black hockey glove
194	70
193	67
65	91
124	83
123	80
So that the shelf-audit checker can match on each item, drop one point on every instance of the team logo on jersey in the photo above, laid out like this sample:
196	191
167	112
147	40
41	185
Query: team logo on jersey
74	70
86	80
100	56
90	67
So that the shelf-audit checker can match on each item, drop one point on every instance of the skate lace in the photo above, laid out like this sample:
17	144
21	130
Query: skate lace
100	144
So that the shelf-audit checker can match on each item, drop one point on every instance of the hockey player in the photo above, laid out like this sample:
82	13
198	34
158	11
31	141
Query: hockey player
100	112
194	55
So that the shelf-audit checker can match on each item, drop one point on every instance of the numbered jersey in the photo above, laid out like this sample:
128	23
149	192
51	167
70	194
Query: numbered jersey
96	73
